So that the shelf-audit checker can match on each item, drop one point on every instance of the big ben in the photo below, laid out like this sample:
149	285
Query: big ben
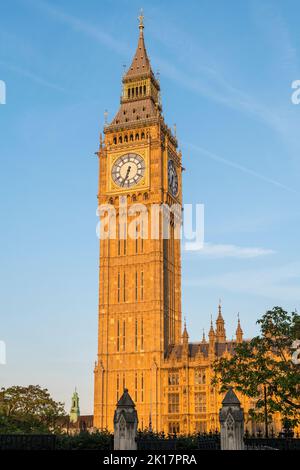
141	344
139	277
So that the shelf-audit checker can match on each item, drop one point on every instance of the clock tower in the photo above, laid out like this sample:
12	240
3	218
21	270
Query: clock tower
140	273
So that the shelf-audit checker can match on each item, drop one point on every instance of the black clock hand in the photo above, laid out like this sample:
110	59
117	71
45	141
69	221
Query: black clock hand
127	174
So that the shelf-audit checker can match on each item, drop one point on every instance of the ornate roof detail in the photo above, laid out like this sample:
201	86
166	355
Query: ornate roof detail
230	398
125	400
140	64
140	100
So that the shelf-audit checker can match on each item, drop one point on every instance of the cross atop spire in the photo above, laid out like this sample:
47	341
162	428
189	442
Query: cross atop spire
141	20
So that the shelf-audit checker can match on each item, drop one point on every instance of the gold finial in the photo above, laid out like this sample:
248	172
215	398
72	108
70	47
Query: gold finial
141	20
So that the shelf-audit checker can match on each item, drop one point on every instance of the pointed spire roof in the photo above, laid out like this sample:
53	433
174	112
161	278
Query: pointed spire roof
203	337
211	330
140	64
239	331
126	400
230	398
220	316
185	334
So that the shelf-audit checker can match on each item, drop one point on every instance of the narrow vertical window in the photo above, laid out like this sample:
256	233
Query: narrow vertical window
118	335
124	335
124	287
136	285
136	387
142	285
124	384
125	237
119	247
119	287
118	386
142	333
142	236
142	387
136	335
136	238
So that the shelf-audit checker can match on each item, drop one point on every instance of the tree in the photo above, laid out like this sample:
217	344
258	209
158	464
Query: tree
29	410
262	369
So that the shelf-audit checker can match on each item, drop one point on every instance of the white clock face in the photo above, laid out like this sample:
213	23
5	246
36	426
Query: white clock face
128	170
172	178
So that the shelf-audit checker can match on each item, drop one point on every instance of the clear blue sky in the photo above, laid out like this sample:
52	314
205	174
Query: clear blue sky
226	72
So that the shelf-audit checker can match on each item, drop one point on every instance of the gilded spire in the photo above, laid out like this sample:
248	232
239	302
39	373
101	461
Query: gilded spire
203	337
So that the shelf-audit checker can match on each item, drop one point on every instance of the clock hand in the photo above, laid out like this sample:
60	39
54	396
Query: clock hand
127	174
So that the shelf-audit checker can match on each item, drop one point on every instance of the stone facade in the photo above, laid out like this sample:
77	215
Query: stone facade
141	346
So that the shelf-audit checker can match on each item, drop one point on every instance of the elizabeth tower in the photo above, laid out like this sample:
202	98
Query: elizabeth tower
140	276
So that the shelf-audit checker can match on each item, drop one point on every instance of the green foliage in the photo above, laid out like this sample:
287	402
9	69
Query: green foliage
29	410
263	366
85	441
183	441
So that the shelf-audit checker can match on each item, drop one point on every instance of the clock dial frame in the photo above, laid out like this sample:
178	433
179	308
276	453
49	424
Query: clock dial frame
172	178
128	170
